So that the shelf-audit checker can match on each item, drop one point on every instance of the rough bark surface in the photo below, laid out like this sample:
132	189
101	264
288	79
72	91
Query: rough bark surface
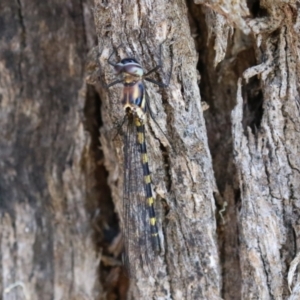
46	243
182	174
265	141
226	184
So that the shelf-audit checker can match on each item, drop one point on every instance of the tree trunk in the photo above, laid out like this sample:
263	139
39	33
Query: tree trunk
259	236
226	188
182	171
47	250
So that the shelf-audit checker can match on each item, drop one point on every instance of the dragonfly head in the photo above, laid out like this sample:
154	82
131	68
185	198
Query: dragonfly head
129	67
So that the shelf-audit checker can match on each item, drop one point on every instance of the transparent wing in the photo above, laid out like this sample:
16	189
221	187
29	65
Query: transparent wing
136	227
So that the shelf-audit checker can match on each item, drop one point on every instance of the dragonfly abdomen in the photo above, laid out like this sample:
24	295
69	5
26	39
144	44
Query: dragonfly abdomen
147	181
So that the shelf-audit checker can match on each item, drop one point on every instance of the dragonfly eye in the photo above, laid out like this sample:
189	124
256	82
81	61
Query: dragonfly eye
129	66
119	68
128	61
133	70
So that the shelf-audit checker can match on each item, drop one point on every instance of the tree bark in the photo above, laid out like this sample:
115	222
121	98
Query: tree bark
226	184
263	191
182	173
47	250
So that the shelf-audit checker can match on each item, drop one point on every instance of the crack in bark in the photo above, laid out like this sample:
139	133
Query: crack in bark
23	44
264	263
21	18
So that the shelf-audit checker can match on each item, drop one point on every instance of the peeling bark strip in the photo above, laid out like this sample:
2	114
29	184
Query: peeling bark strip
189	265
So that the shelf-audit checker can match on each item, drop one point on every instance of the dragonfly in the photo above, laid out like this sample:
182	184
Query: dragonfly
140	230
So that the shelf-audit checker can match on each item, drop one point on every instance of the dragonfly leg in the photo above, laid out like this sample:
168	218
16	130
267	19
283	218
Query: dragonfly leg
104	84
114	51
161	84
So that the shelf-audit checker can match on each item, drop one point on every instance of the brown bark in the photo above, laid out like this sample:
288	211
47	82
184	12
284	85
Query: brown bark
57	221
46	247
182	174
260	235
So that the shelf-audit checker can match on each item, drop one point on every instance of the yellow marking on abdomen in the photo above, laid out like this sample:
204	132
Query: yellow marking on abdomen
141	138
138	122
147	179
153	221
144	158
150	201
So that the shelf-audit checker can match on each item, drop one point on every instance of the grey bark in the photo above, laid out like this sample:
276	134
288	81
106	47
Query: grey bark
189	265
227	189
46	243
265	122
